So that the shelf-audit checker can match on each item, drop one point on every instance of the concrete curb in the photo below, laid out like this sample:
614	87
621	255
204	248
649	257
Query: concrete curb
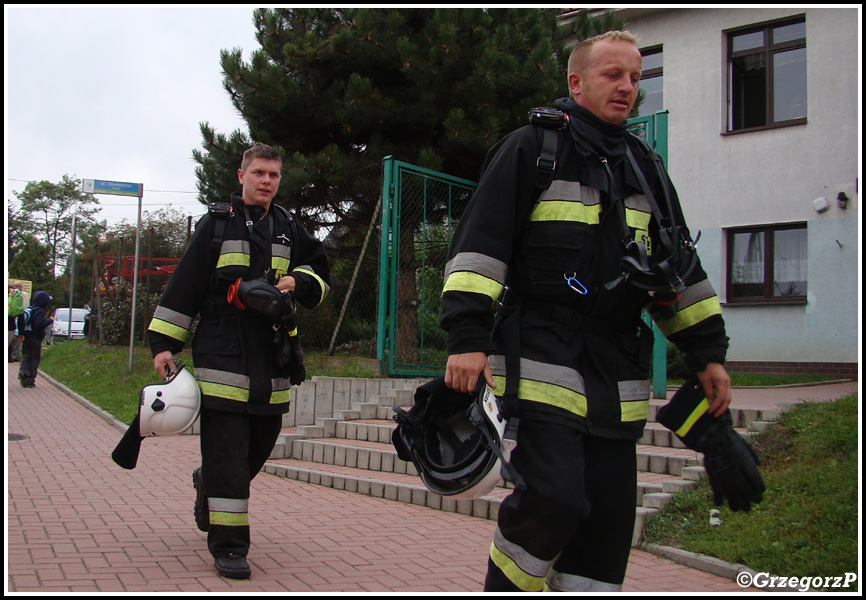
106	416
696	561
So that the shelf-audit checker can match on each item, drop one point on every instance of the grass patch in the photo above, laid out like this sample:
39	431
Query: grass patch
101	373
807	523
758	380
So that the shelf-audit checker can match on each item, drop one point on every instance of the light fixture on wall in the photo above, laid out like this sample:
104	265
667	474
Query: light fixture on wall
842	199
820	204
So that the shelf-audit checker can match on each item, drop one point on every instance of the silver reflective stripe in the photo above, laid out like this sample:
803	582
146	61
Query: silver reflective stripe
172	316
701	290
280	384
528	563
235	246
477	263
636	390
229	505
638	202
222	377
563	582
281	251
533	370
571	191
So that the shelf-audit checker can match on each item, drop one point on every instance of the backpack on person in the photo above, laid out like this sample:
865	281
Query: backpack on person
27	325
16	304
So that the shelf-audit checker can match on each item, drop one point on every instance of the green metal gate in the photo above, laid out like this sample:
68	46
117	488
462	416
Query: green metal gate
419	212
420	208
654	129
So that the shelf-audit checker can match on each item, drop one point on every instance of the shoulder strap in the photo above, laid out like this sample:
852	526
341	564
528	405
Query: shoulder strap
550	121
292	224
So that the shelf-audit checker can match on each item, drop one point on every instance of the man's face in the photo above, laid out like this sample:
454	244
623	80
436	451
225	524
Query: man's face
260	181
608	88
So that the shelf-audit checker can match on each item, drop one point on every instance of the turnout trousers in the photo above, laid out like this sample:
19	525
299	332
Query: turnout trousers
571	528
234	447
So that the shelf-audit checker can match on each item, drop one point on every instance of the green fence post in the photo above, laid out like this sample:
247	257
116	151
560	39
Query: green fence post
384	246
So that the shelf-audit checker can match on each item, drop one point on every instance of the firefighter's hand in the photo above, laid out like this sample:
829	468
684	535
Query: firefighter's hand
717	387
163	363
462	370
286	283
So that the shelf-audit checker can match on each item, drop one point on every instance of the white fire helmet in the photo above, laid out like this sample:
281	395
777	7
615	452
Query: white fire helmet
170	407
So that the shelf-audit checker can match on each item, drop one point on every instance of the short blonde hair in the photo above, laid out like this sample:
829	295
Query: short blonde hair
579	59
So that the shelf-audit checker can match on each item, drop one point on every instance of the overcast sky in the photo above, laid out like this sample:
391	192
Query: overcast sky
117	93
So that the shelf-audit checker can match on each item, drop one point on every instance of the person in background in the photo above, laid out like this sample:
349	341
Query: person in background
32	324
18	301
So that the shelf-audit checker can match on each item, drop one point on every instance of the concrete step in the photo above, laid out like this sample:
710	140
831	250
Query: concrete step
399	487
339	435
367	445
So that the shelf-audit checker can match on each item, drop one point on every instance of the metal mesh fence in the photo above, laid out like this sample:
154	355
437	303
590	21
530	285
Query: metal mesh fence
345	323
426	208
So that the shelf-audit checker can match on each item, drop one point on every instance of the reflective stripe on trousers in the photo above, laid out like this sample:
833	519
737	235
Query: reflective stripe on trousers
571	529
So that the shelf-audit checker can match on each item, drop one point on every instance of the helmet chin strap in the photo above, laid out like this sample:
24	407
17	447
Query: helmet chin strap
506	469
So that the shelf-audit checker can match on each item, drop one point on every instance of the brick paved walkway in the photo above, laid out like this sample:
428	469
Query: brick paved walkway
79	523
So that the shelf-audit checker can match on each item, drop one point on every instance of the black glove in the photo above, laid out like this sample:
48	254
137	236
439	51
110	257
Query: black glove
731	463
261	298
288	355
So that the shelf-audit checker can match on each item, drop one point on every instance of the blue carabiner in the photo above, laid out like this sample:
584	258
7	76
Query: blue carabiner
574	283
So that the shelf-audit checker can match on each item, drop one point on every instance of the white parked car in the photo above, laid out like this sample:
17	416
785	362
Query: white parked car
61	329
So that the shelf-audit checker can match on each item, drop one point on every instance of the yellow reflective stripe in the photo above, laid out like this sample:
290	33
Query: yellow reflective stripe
515	574
325	289
166	328
691	315
233	259
699	411
278	263
280	396
546	393
557	210
228	511
219	390
637	219
293	332
464	281
229	519
634	410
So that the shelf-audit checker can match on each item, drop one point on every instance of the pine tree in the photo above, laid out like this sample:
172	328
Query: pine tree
336	90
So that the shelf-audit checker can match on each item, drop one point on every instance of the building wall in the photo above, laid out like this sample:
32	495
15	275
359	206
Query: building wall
770	176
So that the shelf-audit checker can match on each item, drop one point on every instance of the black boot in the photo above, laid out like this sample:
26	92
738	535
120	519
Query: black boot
200	510
233	566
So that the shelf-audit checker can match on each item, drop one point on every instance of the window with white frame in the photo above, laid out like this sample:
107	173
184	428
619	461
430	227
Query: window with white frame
651	81
767	75
767	264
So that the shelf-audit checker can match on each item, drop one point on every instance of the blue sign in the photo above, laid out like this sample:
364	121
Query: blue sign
116	188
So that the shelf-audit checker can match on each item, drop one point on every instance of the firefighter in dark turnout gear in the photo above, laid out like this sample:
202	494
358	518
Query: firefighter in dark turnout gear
560	256
239	352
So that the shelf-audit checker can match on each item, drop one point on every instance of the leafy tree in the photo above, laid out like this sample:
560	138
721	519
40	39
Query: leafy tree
31	261
46	212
